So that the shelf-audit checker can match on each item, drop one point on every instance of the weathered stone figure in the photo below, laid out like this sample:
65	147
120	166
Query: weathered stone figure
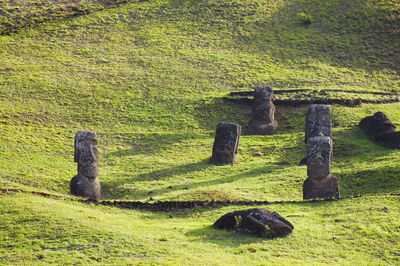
318	121
226	144
85	183
263	118
320	183
259	222
380	129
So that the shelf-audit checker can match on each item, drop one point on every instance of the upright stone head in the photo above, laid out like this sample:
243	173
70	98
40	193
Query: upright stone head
263	117
319	157
86	154
318	121
85	183
226	144
320	183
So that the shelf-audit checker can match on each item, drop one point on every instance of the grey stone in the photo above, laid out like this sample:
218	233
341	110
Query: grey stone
263	116
226	144
318	121
320	183
256	221
85	183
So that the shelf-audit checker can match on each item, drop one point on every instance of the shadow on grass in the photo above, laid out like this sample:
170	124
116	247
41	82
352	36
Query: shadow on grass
346	33
158	175
144	143
195	185
224	237
379	180
209	112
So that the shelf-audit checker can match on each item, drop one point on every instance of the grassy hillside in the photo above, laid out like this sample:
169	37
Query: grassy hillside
149	78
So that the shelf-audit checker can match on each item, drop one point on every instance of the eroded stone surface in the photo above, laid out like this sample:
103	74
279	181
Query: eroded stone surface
320	183
318	121
263	117
226	144
85	187
380	129
256	221
324	188
85	183
319	156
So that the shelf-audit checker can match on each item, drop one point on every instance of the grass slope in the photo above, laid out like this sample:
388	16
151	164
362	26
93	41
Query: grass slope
352	231
149	78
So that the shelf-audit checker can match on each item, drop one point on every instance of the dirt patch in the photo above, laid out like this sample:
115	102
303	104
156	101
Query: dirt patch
295	103
167	206
308	96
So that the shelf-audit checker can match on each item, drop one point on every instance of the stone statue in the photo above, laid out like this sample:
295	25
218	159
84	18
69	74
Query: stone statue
226	144
320	183
263	118
380	129
258	221
318	121
85	183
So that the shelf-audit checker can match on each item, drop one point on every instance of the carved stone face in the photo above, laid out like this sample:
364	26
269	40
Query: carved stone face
86	153
263	113
226	144
318	121
263	108
319	156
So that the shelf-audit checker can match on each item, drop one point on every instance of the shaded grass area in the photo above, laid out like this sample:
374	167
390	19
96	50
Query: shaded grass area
39	230
17	15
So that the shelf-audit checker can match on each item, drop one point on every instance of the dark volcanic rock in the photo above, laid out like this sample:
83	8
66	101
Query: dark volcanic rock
321	189
380	129
226	144
85	187
86	184
318	121
263	117
256	221
320	183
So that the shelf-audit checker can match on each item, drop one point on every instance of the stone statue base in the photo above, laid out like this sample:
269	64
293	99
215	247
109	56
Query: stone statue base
323	188
85	187
263	129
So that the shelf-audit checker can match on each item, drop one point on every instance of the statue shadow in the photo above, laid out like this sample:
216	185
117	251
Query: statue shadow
382	179
224	237
352	148
158	175
211	111
107	186
223	180
145	143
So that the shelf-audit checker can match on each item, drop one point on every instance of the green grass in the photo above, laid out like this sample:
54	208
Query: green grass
149	78
352	231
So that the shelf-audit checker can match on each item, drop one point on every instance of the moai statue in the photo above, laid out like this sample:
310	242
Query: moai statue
85	183
263	118
226	144
256	221
320	183
380	129
318	121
